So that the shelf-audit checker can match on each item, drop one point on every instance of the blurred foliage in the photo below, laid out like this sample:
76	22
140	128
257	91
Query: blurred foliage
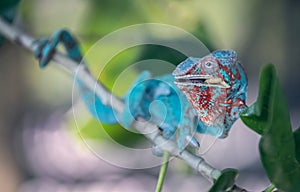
161	53
111	71
6	5
279	146
297	143
108	76
225	182
206	20
8	10
106	17
92	130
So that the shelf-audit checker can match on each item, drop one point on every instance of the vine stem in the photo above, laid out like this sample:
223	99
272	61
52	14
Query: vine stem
271	188
15	35
162	172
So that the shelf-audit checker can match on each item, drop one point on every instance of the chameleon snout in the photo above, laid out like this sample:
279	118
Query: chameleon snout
200	80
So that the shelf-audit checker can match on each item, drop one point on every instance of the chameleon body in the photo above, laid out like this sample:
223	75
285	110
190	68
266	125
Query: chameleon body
159	100
204	95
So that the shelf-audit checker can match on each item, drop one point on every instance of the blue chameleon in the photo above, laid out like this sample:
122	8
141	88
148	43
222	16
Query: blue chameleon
170	101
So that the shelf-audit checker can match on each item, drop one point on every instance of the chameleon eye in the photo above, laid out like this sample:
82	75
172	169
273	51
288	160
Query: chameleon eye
208	64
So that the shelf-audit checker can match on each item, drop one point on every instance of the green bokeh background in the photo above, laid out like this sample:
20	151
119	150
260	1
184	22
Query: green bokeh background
260	31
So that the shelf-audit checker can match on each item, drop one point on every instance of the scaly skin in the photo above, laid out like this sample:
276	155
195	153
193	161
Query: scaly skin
216	86
161	102
209	96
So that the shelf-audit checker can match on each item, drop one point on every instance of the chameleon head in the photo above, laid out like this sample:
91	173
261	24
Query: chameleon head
216	86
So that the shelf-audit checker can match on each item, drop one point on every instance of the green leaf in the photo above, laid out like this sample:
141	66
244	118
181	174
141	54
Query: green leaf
225	182
297	143
256	117
269	116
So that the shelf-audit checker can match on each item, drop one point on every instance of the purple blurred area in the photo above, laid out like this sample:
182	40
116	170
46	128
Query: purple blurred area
39	152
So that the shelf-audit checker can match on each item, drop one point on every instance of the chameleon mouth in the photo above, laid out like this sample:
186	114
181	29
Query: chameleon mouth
200	80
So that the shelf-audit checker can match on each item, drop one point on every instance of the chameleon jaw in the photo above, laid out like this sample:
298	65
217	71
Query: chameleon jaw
200	80
217	82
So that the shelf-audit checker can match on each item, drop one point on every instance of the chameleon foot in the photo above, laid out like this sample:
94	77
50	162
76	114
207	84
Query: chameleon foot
157	151
46	48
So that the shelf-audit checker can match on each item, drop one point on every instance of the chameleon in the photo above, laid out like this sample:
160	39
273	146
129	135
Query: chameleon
204	95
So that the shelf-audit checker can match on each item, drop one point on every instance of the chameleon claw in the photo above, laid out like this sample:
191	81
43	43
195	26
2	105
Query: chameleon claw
45	48
38	52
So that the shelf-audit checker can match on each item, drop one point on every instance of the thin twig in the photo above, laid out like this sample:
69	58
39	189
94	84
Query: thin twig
199	164
162	172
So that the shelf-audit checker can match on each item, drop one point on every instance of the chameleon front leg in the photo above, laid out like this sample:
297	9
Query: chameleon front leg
158	100
187	130
45	51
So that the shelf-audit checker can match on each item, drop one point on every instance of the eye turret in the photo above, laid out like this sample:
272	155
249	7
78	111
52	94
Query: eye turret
209	65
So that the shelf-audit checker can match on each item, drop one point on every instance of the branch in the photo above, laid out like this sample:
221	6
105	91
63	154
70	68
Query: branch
199	164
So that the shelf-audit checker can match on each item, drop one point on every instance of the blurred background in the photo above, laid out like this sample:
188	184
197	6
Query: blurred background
42	145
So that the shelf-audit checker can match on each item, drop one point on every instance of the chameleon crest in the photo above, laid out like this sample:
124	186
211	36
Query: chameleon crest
216	87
